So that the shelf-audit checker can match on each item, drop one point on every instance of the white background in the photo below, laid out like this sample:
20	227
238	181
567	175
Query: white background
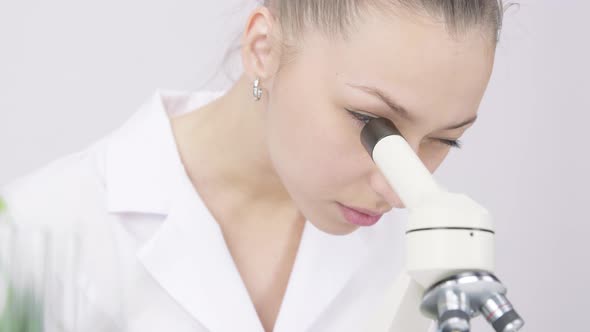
72	71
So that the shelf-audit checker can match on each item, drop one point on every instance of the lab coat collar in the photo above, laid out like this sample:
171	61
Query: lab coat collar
142	166
188	256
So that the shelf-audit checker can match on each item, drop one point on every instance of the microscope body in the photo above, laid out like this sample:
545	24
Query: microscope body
449	248
447	234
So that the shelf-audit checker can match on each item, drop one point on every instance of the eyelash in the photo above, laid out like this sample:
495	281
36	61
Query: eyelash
360	120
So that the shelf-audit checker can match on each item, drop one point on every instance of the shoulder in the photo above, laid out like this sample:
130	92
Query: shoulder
58	192
65	197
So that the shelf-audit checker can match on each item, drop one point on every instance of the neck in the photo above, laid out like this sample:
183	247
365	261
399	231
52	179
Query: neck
223	147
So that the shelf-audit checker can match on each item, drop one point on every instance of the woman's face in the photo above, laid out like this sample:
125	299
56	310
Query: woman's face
314	139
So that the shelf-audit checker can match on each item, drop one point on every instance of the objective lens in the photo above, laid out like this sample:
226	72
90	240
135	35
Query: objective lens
499	312
454	321
454	309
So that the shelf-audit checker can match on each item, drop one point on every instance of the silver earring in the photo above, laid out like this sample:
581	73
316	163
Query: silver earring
257	89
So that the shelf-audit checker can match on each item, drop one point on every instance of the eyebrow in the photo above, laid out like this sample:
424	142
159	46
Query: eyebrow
400	110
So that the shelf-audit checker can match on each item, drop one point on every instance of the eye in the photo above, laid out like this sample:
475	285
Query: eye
360	119
452	143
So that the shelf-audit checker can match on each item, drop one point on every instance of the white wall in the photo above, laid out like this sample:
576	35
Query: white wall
527	160
70	71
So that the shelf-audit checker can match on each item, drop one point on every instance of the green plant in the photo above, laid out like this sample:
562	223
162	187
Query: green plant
22	311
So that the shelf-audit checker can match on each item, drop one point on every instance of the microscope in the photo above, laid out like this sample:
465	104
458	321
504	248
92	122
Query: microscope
448	277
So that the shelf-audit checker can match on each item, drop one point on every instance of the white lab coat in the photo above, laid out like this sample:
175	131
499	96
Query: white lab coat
153	254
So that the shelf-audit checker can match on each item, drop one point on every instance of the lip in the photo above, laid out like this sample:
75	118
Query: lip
358	217
365	211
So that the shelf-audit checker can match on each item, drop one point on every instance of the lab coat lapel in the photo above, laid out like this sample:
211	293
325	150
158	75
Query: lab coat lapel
322	268
188	257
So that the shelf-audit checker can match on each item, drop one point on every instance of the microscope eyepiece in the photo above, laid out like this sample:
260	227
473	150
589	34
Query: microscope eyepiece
375	130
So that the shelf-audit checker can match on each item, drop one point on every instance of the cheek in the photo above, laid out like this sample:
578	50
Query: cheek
314	149
432	155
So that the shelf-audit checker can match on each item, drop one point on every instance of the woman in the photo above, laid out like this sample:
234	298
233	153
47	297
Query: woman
252	209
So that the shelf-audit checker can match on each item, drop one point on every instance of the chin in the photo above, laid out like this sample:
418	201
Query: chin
336	228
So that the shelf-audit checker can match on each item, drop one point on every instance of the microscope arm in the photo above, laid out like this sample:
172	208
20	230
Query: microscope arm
399	309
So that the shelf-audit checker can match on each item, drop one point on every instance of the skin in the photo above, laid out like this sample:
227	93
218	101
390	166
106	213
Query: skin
290	157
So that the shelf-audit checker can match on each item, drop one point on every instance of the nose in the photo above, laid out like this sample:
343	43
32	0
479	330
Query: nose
381	186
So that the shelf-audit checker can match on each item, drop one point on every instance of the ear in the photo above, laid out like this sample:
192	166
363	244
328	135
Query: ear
260	49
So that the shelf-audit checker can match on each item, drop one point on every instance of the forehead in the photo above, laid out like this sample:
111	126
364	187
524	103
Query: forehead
413	58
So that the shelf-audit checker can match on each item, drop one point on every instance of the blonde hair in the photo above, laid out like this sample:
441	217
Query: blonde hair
336	18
